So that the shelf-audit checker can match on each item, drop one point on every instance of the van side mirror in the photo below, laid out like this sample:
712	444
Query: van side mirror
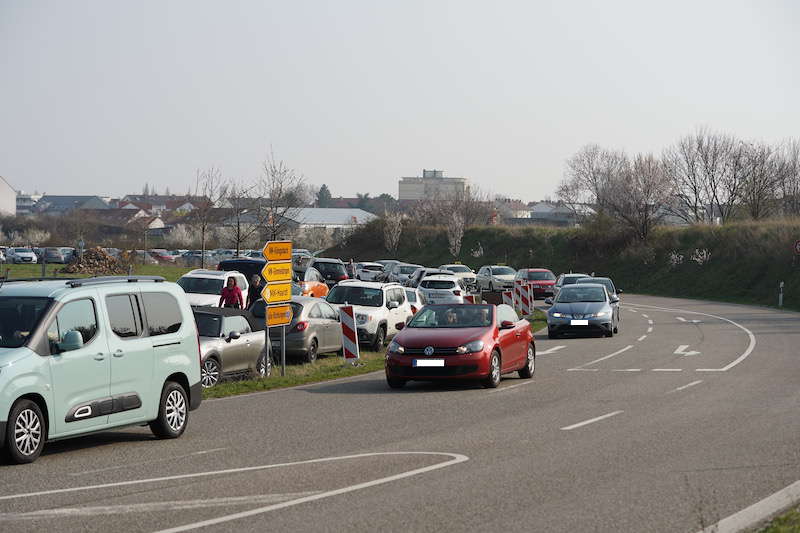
619	291
233	335
73	340
506	324
400	325
393	305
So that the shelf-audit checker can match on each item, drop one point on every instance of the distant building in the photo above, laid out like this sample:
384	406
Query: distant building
329	218
26	203
58	205
510	208
432	184
8	199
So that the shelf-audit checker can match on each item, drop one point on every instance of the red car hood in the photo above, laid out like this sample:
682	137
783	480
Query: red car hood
439	337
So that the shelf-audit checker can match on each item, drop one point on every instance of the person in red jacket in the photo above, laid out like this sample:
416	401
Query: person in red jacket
231	295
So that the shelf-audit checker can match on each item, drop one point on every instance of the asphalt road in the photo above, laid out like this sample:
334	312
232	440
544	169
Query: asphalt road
619	434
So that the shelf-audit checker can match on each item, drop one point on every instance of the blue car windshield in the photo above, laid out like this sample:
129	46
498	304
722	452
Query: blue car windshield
581	293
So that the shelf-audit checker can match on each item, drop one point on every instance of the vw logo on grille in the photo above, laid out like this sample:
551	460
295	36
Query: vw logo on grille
429	350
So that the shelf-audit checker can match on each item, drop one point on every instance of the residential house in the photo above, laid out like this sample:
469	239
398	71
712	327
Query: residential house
26	203
58	205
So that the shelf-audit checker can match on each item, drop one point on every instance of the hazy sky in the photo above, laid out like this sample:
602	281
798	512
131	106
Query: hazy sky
98	97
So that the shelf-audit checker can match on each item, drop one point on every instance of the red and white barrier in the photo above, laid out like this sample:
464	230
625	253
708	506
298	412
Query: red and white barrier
469	298
349	335
522	297
508	298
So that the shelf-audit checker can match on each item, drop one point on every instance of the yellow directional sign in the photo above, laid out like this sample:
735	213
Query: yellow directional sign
278	292
279	315
277	251
278	271
265	293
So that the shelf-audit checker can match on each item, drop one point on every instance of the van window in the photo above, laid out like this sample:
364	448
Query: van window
163	314
122	314
236	323
78	315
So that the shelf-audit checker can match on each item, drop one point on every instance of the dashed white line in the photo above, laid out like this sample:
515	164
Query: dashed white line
650	330
591	421
503	389
644	315
680	318
633	310
628	370
684	387
582	370
551	350
667	370
609	356
640	339
650	321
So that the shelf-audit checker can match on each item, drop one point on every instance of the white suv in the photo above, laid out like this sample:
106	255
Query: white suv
203	287
464	273
378	308
442	289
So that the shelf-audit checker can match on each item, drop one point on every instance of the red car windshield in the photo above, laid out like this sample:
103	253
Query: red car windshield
453	316
540	276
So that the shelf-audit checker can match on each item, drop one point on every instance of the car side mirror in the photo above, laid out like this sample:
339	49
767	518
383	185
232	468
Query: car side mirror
400	325
506	324
619	291
614	300
393	305
548	301
233	335
73	340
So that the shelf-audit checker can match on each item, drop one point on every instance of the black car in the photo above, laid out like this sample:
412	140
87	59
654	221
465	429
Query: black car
332	270
248	266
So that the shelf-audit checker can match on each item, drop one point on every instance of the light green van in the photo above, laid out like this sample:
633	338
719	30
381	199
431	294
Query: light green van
86	355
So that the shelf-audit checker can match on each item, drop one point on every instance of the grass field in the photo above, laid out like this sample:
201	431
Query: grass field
169	272
788	522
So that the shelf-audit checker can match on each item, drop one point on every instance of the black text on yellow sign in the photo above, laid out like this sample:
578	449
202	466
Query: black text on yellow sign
277	251
278	271
278	292
279	315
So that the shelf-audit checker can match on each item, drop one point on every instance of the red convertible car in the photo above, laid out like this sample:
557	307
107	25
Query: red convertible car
461	341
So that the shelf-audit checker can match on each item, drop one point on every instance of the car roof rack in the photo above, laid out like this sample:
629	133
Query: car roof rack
113	279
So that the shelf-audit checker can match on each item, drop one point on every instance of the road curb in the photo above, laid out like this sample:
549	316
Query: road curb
759	512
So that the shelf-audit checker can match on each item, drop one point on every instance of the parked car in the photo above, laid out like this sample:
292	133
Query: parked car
87	355
422	272
21	256
232	341
247	266
203	287
465	274
442	289
368	271
162	256
461	342
2	256
315	329
541	279
415	298
495	278
69	253
378	308
311	282
196	257
53	255
387	266
332	270
566	279
401	272
582	308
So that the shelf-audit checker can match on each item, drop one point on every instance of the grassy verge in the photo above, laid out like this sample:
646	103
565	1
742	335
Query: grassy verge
169	272
788	522
324	369
538	320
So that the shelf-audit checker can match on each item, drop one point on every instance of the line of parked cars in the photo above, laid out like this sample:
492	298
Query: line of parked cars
20	255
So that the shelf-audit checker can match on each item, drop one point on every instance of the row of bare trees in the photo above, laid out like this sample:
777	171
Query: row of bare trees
704	177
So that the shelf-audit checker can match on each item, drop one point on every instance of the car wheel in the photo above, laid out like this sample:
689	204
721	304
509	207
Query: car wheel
263	366
395	383
616	329
210	372
491	287
526	372
380	339
25	432
551	334
609	333
493	379
173	412
311	353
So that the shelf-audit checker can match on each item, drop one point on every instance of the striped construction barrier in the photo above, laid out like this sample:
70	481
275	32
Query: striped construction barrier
508	298
349	335
469	298
522	293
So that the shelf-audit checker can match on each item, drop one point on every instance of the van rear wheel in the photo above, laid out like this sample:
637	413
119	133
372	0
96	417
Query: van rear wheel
173	412
25	432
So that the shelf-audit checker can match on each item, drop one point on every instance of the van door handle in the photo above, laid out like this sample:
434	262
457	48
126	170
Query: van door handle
119	353
100	357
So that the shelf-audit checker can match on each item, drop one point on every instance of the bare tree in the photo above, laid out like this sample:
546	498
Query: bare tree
588	177
392	229
314	238
179	236
210	186
789	176
35	237
682	168
282	192
759	188
244	218
471	204
455	233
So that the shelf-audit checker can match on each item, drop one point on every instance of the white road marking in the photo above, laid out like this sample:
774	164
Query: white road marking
456	458
640	339
203	452
684	387
695	321
582	370
750	347
154	507
609	356
681	350
650	330
628	370
633	310
644	315
551	350
650	321
503	389
591	421
758	512
667	370
680	318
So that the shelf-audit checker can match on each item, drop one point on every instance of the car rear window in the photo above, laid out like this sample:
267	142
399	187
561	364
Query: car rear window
330	270
208	325
374	268
437	284
163	313
410	269
200	285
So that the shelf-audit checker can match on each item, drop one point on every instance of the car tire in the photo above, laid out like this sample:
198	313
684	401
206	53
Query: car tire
173	412
395	383
493	379
616	329
380	339
491	287
25	419
312	352
263	367
210	372
609	333
551	334
527	371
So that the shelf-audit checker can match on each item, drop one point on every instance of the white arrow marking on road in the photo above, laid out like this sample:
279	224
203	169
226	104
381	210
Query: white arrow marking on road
680	318
692	384
625	349
551	350
682	351
640	339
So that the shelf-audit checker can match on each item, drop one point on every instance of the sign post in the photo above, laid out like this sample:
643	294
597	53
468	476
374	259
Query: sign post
780	294
277	293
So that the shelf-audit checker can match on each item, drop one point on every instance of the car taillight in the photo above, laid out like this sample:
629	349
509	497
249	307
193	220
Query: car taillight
343	276
300	326
413	310
457	292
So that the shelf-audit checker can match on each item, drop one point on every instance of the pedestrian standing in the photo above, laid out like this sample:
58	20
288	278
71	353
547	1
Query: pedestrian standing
231	295
254	291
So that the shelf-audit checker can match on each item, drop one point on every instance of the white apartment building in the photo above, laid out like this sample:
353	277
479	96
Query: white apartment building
432	184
